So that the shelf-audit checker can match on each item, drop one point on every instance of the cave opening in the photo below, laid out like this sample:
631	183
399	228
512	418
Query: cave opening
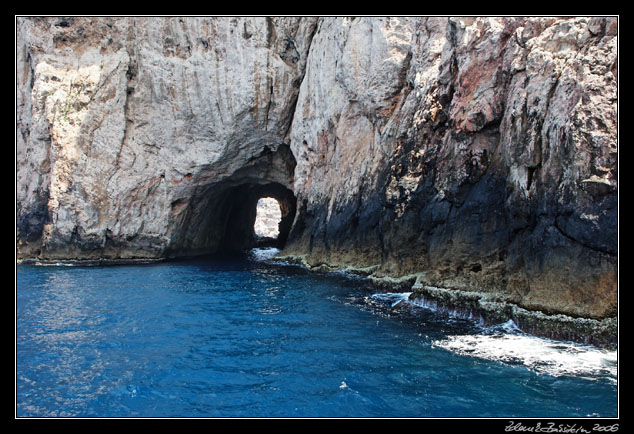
219	217
242	211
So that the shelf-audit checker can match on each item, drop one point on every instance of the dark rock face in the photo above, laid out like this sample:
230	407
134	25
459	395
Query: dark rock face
491	168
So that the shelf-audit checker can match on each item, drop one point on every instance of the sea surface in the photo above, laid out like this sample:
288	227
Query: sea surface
248	337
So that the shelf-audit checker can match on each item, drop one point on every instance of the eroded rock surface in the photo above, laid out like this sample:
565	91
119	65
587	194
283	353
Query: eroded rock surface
478	154
137	135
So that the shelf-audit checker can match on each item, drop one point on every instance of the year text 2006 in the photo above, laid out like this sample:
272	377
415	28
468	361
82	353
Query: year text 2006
552	427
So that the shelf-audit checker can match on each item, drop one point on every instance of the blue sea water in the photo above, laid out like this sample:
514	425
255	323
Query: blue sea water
247	337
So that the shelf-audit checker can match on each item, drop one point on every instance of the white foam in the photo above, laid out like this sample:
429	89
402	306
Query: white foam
509	327
55	264
433	306
264	253
543	355
508	344
393	298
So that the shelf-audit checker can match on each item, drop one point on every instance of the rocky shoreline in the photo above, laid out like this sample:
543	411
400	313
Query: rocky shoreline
88	262
487	308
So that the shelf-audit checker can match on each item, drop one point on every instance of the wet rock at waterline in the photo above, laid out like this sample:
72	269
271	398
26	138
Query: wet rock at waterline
479	154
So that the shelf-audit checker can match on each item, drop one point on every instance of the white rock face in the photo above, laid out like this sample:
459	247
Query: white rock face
118	118
355	76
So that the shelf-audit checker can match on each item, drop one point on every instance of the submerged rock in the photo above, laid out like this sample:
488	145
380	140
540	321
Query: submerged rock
478	153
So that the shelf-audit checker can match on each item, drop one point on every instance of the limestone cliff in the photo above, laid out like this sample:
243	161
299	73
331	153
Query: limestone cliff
137	136
476	154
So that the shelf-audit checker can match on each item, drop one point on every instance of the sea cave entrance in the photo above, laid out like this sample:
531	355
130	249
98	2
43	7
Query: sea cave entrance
219	217
244	230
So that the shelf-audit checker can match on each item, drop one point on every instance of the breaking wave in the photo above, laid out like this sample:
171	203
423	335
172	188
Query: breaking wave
263	253
506	343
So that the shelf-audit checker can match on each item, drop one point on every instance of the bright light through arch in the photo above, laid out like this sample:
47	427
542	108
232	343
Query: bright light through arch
268	218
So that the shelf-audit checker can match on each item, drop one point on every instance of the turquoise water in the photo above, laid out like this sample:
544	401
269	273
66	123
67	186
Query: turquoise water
245	337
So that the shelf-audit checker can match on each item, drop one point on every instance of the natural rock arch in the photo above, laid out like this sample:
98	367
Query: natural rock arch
241	203
218	216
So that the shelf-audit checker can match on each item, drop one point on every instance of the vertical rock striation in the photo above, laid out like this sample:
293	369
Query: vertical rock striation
132	131
477	154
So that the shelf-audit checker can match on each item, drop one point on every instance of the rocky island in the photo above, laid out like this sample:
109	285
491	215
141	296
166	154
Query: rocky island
471	160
